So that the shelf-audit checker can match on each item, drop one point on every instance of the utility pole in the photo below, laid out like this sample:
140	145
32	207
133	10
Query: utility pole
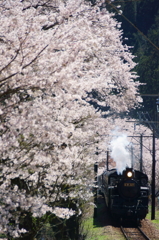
95	189
132	157
141	144
157	103
153	178
95	183
107	163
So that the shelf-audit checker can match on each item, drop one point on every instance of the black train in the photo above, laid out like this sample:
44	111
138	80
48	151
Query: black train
126	194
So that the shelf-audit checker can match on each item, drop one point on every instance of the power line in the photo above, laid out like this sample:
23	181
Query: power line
118	11
129	1
149	95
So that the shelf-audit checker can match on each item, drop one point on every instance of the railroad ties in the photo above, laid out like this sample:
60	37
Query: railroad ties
134	233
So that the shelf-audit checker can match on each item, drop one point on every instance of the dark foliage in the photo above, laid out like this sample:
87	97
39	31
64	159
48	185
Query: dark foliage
140	24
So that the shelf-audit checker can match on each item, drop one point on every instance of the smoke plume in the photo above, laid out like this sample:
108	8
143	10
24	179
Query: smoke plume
120	153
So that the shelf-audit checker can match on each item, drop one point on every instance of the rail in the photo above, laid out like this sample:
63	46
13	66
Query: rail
134	233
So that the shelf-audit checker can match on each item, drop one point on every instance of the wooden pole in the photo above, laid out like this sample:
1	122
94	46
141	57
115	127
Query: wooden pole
107	163
132	157
153	178
141	151
95	192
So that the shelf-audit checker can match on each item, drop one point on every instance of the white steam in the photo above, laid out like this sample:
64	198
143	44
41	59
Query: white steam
120	153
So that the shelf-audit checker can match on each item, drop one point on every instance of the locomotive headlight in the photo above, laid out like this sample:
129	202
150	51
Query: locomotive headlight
129	174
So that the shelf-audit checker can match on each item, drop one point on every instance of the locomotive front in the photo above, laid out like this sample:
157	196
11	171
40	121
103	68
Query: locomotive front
128	187
126	194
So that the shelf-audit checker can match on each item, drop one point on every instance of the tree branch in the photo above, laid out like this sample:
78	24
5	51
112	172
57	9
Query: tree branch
34	59
10	61
25	66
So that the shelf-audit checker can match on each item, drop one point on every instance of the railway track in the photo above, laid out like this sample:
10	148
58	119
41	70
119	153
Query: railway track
134	233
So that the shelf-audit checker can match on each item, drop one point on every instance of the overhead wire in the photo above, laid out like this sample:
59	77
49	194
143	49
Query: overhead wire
129	1
118	11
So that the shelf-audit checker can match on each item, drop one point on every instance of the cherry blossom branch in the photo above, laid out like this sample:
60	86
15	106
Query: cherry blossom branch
12	60
25	66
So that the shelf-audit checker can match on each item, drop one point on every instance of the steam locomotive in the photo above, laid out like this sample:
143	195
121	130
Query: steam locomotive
126	194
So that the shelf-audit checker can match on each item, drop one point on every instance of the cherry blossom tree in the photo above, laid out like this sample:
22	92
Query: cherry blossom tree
62	62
